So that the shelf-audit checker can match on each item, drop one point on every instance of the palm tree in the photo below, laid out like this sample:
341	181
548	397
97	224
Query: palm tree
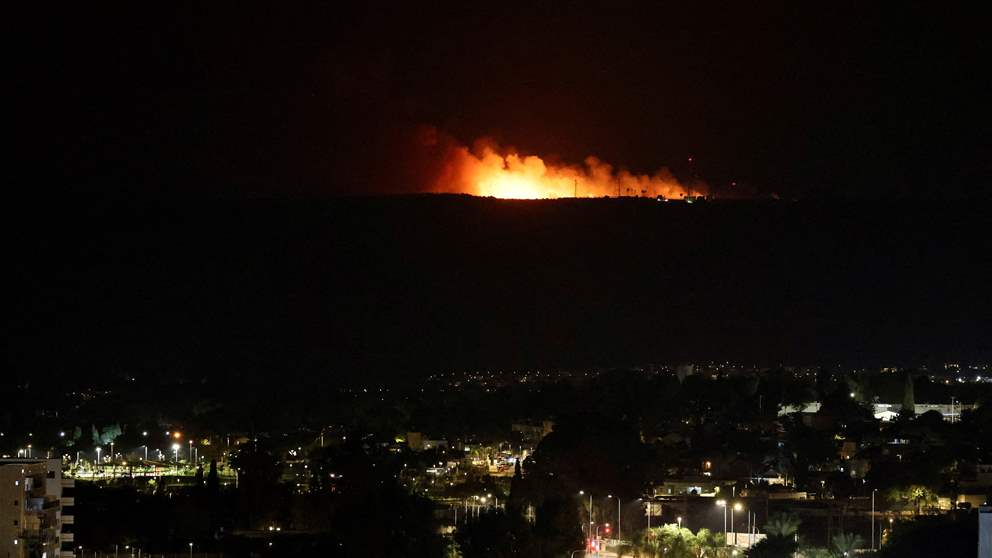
782	525
651	544
709	544
845	544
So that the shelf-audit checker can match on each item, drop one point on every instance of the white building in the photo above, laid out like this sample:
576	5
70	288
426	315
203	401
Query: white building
984	531
35	509
889	411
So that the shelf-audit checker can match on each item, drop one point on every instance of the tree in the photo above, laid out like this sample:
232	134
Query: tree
781	540
213	481
601	455
556	528
773	547
495	534
258	482
947	536
710	544
782	525
918	495
844	544
670	541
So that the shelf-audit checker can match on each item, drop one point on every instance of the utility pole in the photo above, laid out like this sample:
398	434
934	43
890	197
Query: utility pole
873	491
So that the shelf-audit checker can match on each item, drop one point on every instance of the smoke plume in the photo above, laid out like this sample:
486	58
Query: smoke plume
488	169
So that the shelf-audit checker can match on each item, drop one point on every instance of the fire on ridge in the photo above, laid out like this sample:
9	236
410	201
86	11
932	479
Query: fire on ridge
492	172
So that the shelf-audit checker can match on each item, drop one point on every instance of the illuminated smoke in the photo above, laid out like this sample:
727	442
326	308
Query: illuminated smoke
488	170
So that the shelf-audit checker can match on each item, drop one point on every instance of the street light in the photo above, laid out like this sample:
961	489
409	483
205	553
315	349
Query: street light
679	519
618	514
737	507
873	491
723	504
98	449
647	506
589	530
175	450
190	550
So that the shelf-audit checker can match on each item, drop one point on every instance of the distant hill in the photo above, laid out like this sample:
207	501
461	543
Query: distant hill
386	285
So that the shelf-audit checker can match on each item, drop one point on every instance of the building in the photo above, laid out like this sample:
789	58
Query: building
35	509
416	442
885	411
984	531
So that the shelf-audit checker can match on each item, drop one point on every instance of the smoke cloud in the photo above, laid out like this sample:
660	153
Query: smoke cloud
487	169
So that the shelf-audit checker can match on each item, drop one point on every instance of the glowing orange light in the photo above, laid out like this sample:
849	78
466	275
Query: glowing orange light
177	435
491	171
510	186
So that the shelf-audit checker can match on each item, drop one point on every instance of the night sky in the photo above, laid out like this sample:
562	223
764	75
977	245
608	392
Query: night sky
837	99
190	177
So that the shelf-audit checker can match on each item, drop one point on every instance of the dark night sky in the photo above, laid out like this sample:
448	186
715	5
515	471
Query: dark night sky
148	136
838	99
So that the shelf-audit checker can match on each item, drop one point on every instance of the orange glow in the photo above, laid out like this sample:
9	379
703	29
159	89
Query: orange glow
509	185
489	171
176	435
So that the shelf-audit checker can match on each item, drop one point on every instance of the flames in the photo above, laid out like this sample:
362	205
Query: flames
488	170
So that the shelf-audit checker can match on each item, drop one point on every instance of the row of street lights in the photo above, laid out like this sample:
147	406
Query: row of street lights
736	507
192	455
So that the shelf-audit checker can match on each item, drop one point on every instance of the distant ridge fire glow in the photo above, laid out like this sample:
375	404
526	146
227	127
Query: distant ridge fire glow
488	170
